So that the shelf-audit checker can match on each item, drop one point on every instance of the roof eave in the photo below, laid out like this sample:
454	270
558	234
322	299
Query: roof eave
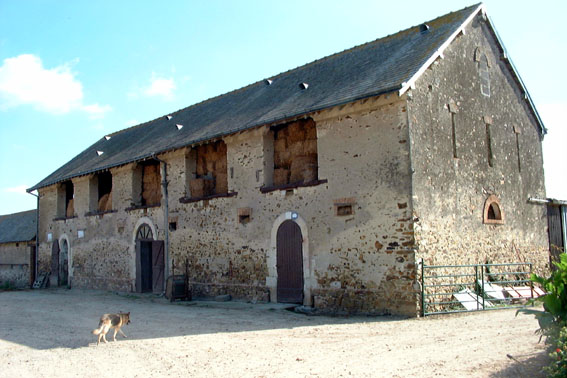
280	119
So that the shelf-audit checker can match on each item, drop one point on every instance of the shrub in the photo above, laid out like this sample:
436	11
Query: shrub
554	301
558	368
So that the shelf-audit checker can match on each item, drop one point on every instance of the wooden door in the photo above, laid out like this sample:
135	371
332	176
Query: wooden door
290	263
54	277
32	264
64	264
158	265
555	233
143	266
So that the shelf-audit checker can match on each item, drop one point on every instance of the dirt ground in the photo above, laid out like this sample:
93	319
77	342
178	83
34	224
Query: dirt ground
47	333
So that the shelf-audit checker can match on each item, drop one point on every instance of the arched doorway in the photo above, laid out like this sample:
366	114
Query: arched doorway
150	264
59	263
289	263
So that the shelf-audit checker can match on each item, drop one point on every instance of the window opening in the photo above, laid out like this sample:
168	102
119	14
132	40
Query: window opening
454	135
172	226
518	149
484	75
344	206
489	145
211	170
344	210
493	211
244	215
295	153
151	180
69	199
104	191
144	233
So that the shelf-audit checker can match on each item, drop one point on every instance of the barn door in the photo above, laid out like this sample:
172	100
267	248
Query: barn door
32	264
54	277
555	232
289	263
143	266
158	265
64	264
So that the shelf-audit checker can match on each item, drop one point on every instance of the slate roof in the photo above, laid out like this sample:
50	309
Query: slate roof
18	227
382	66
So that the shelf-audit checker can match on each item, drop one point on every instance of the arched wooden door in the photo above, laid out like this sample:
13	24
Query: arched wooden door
289	263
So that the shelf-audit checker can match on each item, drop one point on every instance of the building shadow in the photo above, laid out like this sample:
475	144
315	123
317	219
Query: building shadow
60	318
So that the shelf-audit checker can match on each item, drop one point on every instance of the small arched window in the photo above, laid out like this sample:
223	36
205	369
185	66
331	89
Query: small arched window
493	211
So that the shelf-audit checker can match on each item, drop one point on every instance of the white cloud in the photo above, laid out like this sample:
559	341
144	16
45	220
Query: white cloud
160	87
17	189
554	151
24	81
96	111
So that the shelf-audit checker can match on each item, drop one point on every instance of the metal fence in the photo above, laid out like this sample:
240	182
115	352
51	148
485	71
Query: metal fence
462	288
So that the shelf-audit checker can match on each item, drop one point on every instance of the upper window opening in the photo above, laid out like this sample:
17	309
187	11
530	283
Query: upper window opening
151	180
65	200
493	211
210	170
295	153
104	181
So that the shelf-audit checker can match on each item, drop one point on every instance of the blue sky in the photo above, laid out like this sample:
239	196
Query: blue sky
73	71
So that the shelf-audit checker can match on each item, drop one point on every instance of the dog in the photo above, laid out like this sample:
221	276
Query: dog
108	321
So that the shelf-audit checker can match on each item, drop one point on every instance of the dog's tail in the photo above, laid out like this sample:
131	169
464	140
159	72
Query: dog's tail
98	330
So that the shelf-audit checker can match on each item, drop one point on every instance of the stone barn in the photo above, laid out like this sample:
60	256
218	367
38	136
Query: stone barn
17	249
325	185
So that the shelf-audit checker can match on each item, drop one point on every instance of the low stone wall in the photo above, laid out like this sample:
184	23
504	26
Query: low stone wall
15	275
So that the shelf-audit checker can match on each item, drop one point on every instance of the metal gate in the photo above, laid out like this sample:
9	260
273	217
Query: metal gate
462	288
290	263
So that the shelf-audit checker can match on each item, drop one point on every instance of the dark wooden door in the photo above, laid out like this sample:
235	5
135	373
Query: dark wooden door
32	264
158	265
54	278
143	266
64	264
290	263
555	232
146	265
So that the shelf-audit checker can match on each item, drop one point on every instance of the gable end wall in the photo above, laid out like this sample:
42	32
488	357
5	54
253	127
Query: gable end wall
449	192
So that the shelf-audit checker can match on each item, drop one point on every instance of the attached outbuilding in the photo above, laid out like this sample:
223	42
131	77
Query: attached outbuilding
17	249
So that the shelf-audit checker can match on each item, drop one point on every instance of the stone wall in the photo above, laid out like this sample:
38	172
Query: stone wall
14	264
467	146
362	262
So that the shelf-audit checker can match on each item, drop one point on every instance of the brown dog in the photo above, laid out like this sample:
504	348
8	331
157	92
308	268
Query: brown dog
108	321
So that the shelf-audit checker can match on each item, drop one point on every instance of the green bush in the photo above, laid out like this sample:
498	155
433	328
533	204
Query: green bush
558	368
554	301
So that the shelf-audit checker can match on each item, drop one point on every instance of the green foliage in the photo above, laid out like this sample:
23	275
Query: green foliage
6	286
554	302
558	368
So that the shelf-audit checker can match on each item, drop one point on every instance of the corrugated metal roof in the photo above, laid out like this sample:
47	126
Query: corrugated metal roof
18	227
377	67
